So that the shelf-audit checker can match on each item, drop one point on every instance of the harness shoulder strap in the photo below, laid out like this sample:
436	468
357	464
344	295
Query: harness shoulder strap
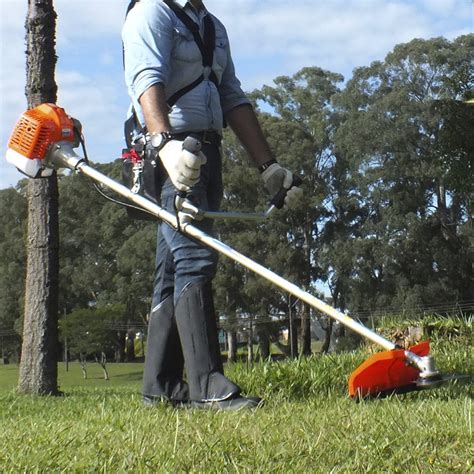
209	41
188	22
206	46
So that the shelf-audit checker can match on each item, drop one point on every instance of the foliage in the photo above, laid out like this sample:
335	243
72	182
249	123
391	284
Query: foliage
386	221
13	214
91	331
299	133
106	258
407	243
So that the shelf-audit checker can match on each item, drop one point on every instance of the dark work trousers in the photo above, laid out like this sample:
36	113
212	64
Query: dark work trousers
180	260
182	329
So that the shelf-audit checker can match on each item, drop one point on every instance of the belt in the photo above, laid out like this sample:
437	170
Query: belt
210	137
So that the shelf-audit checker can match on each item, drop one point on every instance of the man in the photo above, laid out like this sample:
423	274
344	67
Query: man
183	84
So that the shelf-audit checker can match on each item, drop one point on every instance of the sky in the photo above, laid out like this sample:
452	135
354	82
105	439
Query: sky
269	38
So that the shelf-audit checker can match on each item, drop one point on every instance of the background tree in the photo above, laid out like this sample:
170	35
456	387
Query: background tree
38	367
386	220
106	258
300	130
301	133
91	332
407	246
13	214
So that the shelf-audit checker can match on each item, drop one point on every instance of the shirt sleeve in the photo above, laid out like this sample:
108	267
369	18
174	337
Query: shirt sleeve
230	91
147	37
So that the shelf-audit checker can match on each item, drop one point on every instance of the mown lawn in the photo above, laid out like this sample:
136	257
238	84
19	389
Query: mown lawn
308	424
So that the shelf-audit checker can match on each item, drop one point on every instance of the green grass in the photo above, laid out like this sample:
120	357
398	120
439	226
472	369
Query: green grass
120	375
308	424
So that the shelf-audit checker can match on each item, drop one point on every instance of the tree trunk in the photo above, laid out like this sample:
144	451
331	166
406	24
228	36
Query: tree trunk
83	363
305	331
232	343
327	338
250	342
119	355
292	330
103	363
264	345
130	346
262	330
38	366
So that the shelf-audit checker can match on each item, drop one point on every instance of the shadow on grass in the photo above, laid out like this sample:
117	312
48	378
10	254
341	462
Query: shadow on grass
130	375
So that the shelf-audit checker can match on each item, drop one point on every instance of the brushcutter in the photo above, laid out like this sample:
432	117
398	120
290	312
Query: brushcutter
44	139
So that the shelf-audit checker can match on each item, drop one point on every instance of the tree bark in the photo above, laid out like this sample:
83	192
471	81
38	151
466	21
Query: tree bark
130	346
232	343
327	338
38	366
292	330
305	331
83	363
250	342
119	355
264	346
102	361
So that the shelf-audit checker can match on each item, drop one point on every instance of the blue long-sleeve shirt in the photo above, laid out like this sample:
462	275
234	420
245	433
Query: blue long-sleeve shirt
159	49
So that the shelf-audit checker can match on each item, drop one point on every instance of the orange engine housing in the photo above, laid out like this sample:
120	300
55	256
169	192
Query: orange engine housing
38	128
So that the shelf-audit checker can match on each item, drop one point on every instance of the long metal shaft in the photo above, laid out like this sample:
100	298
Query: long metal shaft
63	155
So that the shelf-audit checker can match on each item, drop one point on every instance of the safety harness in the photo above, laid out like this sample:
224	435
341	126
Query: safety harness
142	170
206	46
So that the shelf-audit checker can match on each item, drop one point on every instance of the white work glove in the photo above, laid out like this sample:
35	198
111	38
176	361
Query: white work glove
275	178
183	167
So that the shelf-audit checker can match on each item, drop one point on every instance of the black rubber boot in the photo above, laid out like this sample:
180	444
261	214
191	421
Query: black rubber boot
196	320
163	373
